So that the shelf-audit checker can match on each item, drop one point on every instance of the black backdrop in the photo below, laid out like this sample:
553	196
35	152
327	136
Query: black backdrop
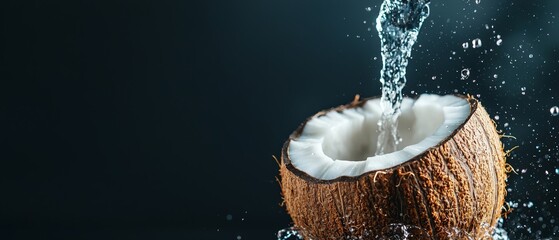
159	120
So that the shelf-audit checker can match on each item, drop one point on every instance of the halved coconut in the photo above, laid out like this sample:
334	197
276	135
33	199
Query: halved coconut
448	172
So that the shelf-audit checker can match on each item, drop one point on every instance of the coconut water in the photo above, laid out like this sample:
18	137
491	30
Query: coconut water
398	25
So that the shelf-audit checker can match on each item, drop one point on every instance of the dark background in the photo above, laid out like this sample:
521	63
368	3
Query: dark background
159	120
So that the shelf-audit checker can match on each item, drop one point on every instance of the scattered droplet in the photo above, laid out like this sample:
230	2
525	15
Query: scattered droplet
478	1
554	112
497	117
531	55
465	45
499	42
495	76
403	231
464	74
289	233
434	77
557	171
368	9
476	43
229	217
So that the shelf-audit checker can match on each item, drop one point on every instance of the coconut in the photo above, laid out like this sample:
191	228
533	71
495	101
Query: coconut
447	173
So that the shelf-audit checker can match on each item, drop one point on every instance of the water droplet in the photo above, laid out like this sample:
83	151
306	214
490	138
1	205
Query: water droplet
478	1
368	9
476	43
402	231
229	217
434	77
531	55
495	76
464	74
530	204
465	45
554	112
557	171
499	42
289	233
496	117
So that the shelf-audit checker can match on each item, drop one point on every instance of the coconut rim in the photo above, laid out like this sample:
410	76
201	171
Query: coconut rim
286	160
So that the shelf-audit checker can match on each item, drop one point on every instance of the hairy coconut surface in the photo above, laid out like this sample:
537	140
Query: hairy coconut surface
458	182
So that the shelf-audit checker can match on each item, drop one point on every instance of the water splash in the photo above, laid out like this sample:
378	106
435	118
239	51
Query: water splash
401	231
398	24
289	234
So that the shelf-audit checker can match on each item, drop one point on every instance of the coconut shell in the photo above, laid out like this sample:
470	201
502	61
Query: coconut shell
457	184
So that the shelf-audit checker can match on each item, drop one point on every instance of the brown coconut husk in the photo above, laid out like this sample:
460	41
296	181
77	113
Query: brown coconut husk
457	184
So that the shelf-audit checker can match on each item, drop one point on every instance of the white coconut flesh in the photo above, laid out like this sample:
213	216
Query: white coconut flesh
344	143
